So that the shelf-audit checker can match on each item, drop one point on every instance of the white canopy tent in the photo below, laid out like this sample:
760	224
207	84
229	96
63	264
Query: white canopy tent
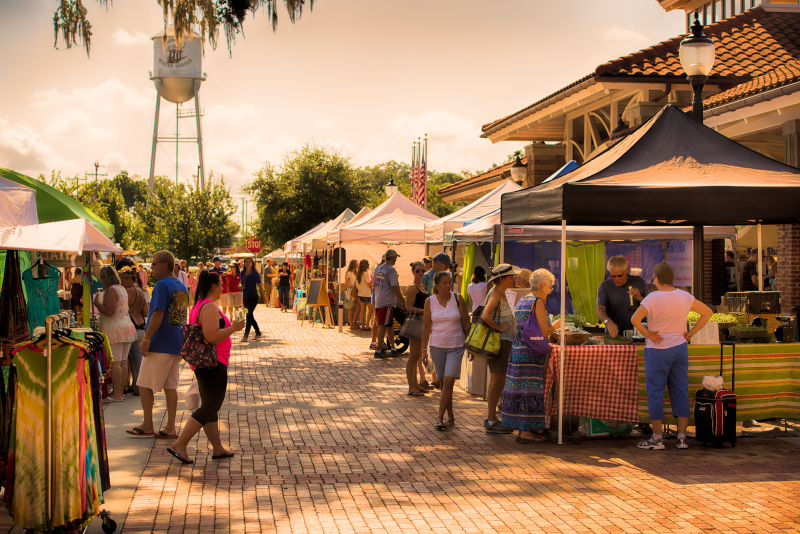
435	231
487	230
396	220
295	245
17	204
319	240
74	236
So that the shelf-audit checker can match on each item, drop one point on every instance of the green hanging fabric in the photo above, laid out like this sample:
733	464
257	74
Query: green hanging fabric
586	270
469	265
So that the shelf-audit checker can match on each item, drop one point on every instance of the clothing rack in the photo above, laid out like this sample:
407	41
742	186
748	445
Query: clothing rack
59	320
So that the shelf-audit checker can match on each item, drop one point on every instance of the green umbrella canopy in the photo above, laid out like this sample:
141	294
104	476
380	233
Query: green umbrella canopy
52	205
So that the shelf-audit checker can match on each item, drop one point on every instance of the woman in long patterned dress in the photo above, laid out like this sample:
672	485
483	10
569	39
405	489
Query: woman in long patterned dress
523	399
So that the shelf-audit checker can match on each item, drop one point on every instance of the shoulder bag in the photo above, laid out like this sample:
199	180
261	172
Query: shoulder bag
482	340
412	327
196	351
538	346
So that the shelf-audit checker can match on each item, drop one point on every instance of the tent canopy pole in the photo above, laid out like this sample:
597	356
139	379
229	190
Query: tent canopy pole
562	342
502	243
760	261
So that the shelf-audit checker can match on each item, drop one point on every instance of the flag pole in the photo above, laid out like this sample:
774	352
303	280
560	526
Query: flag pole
413	172
425	177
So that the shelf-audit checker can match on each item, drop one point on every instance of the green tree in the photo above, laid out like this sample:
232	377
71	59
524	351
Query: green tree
66	185
105	199
133	188
189	222
314	185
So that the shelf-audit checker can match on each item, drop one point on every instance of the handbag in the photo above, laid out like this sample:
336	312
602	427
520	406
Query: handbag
192	397
412	327
348	303
483	341
538	346
196	351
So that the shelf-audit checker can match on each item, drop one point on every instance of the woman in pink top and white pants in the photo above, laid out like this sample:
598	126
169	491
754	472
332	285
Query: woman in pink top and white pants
666	353
211	382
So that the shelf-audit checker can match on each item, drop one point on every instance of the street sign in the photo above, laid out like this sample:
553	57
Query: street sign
254	245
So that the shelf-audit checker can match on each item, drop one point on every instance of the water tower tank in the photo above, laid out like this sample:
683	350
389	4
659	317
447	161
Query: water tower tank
177	66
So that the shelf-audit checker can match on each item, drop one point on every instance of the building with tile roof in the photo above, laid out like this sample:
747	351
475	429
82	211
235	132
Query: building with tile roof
752	96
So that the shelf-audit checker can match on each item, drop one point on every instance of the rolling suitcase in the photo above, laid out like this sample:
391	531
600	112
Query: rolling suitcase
715	411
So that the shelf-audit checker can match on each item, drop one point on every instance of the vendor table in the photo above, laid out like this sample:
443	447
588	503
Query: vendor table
600	381
767	379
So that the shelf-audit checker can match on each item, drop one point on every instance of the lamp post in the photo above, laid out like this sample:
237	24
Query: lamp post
391	187
519	171
697	58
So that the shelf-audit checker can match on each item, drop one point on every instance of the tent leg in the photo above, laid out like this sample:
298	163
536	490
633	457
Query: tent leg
502	243
562	343
760	261
697	263
339	305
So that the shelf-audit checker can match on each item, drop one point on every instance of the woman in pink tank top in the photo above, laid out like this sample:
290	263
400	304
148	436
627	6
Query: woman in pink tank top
213	382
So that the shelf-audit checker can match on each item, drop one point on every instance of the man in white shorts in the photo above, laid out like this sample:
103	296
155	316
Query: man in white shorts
161	346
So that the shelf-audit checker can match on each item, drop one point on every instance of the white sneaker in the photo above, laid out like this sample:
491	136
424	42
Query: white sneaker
652	443
682	444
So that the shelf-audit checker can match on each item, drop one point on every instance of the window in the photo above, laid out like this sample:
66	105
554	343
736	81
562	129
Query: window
719	11
707	15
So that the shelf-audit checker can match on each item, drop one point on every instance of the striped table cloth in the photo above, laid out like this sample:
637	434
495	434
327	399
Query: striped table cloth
767	379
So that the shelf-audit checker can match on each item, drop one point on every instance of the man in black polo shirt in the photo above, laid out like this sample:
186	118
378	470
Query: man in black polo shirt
614	296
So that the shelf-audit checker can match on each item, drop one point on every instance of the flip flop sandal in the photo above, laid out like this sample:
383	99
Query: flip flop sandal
223	456
181	456
450	422
136	431
440	425
415	394
163	435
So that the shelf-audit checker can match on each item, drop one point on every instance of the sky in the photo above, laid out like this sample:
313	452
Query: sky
365	77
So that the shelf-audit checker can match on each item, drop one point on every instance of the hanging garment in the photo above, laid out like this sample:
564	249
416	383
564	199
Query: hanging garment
77	492
13	315
42	294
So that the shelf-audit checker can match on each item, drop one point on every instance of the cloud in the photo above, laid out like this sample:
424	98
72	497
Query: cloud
109	96
75	123
125	39
621	34
220	115
25	151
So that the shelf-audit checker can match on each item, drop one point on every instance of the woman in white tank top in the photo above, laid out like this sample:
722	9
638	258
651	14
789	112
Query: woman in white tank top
443	328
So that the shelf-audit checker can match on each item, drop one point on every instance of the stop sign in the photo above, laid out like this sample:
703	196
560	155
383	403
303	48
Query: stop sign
254	245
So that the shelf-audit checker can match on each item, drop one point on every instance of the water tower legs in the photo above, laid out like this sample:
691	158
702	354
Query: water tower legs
151	181
199	133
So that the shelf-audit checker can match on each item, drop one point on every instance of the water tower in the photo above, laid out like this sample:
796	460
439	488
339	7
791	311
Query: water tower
178	73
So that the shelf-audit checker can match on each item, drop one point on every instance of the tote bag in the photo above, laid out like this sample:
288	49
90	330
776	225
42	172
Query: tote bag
538	346
482	340
196	351
412	327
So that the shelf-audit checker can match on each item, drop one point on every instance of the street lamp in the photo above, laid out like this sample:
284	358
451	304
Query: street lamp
697	58
519	171
391	187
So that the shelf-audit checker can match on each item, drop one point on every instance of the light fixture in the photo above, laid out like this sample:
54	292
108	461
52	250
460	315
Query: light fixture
519	171
391	187
697	59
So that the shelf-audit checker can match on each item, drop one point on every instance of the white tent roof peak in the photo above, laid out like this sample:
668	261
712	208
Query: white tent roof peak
319	238
435	231
396	220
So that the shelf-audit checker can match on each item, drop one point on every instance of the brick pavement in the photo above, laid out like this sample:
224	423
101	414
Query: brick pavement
327	441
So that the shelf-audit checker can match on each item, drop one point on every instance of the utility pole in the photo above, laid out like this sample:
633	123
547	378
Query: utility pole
95	174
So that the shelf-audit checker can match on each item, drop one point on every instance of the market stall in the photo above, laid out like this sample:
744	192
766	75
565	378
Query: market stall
671	171
17	204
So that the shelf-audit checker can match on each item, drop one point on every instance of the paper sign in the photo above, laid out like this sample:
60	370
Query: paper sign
511	297
679	255
708	335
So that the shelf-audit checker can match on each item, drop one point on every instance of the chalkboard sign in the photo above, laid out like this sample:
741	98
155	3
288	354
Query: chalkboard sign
314	291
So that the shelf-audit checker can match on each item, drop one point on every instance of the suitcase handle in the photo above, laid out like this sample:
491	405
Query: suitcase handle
733	361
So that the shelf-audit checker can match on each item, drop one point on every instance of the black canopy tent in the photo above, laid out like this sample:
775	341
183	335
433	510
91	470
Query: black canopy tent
671	171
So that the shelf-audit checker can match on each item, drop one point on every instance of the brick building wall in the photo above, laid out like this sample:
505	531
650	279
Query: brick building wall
787	280
542	161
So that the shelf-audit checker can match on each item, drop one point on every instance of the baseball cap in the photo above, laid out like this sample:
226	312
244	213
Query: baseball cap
443	258
216	258
392	253
427	259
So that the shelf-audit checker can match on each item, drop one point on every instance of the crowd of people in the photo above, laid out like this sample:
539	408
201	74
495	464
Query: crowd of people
516	374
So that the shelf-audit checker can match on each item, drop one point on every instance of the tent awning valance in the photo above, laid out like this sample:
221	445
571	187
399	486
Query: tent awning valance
671	171
52	205
74	236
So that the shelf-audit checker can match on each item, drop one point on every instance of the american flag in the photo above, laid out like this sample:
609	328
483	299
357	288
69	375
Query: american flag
413	180
422	189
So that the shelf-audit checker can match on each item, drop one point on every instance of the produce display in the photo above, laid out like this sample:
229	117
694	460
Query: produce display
716	318
578	320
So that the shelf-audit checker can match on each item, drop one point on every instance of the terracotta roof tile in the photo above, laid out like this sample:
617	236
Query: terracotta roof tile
778	77
478	178
749	45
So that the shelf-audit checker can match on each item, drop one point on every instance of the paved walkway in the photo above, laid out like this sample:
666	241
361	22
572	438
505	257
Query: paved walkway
328	441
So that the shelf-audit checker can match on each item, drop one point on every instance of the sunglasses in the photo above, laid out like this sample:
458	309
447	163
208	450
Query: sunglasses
419	270
617	275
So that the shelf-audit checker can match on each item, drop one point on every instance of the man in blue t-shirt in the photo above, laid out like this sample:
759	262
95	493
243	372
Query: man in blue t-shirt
161	346
614	296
